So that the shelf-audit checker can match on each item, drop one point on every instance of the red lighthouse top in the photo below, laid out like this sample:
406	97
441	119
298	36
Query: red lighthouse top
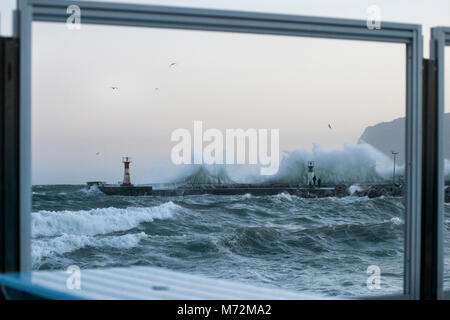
126	159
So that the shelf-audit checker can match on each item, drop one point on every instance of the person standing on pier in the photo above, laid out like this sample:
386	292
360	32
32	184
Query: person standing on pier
314	180
319	182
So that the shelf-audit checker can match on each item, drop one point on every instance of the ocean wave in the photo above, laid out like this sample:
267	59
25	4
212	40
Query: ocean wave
284	196
35	193
92	191
202	174
353	188
280	238
254	239
367	232
97	221
41	249
396	221
247	196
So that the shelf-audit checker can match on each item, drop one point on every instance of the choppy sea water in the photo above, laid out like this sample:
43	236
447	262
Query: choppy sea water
319	246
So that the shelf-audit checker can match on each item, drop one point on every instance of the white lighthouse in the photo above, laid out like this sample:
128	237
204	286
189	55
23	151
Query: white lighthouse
310	172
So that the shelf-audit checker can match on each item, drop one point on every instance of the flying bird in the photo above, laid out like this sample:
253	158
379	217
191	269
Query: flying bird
173	64
97	153
114	88
329	126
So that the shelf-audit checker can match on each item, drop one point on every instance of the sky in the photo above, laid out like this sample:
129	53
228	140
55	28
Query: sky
81	127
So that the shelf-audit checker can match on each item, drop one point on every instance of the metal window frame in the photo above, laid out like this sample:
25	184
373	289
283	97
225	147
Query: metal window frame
440	38
9	144
244	22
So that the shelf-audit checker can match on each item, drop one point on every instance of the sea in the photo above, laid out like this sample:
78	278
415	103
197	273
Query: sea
321	246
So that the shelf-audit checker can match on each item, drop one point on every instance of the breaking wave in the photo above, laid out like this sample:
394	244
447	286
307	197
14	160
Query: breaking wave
353	188
284	196
97	221
354	163
92	191
205	175
42	248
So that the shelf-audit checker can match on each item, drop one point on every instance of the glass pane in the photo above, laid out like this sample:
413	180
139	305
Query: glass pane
316	204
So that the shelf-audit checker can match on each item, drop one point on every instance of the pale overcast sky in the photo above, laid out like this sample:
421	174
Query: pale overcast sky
81	127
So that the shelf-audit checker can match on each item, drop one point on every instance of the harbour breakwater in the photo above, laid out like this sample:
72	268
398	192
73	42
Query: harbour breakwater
371	190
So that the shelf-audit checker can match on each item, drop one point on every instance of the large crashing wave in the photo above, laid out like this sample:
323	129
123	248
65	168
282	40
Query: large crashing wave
354	163
203	175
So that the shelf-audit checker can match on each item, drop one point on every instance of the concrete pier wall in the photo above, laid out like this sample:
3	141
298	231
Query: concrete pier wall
339	190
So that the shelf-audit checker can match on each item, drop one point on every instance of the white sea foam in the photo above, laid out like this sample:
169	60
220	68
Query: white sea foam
284	196
360	162
396	221
69	242
97	221
354	162
353	188
93	190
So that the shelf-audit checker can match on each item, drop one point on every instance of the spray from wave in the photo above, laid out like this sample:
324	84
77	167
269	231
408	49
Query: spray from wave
352	164
354	188
201	174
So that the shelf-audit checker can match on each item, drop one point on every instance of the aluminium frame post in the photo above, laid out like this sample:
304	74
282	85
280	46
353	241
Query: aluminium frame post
413	168
24	18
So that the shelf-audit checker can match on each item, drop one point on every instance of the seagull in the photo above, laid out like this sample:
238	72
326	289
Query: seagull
114	88
173	64
156	88
329	126
97	153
